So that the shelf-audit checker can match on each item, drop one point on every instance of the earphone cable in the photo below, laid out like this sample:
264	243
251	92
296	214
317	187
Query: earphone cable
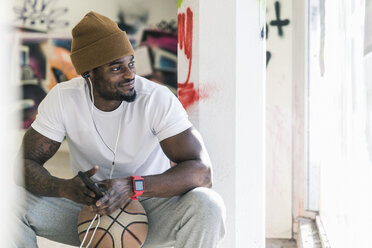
112	165
94	232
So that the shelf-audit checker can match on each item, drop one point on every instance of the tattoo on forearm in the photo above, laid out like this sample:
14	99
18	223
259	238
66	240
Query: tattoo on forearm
38	180
38	149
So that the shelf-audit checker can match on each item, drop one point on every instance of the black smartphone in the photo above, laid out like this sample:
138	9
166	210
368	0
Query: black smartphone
91	185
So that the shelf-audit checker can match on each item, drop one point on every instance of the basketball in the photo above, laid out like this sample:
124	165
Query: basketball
125	228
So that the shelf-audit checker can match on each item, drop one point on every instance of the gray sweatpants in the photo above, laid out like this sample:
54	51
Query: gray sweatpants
195	219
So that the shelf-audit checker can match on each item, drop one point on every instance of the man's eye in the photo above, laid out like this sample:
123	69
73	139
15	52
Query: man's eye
131	64
117	68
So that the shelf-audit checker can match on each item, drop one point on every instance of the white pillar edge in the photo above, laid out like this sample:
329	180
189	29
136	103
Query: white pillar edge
250	125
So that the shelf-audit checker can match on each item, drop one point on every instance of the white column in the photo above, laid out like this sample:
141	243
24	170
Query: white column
8	128
250	124
279	114
228	76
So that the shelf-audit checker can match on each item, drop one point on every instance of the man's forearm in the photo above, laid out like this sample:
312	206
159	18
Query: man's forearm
39	181
178	180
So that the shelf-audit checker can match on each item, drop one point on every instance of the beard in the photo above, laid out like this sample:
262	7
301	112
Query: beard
120	97
129	98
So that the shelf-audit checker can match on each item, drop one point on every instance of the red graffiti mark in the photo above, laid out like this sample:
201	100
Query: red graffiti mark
185	36
187	94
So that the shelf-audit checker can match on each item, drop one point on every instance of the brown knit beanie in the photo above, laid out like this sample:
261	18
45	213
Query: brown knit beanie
96	40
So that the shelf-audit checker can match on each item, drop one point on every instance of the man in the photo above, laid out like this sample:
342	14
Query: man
128	126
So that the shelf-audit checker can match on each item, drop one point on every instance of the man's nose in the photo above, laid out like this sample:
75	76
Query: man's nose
128	73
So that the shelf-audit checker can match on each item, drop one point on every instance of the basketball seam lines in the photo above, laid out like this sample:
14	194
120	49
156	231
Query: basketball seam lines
112	238
132	213
99	241
126	228
133	235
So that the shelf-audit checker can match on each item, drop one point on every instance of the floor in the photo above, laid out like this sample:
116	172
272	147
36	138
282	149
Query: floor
270	243
280	243
59	166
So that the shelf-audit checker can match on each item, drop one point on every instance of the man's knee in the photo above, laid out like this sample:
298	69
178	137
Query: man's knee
22	233
206	205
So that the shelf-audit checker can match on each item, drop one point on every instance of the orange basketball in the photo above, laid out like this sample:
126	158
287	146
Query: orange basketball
125	228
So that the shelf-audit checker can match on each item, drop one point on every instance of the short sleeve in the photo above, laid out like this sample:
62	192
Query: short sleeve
167	117
49	120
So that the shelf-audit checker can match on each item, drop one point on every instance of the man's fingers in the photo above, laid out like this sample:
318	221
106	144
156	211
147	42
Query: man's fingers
103	200
108	207
89	193
105	209
92	171
102	209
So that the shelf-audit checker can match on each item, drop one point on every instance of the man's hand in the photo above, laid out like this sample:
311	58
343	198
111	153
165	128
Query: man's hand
119	190
76	191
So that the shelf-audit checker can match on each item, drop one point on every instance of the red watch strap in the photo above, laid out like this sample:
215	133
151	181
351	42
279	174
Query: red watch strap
137	192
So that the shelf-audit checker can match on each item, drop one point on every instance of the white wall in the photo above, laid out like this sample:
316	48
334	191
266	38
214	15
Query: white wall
279	101
299	114
8	122
338	128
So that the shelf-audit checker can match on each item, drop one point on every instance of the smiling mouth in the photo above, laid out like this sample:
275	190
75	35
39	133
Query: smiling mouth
127	85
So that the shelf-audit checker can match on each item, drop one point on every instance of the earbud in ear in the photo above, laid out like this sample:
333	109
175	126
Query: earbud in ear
86	75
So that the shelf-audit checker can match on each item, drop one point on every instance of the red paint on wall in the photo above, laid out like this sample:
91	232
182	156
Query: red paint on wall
187	94
185	32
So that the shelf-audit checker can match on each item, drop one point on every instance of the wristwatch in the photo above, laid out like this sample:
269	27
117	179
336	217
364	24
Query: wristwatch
138	186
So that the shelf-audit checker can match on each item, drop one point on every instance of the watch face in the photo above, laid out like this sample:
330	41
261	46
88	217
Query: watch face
139	185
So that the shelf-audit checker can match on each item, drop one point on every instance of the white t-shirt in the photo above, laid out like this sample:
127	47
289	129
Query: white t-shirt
155	115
